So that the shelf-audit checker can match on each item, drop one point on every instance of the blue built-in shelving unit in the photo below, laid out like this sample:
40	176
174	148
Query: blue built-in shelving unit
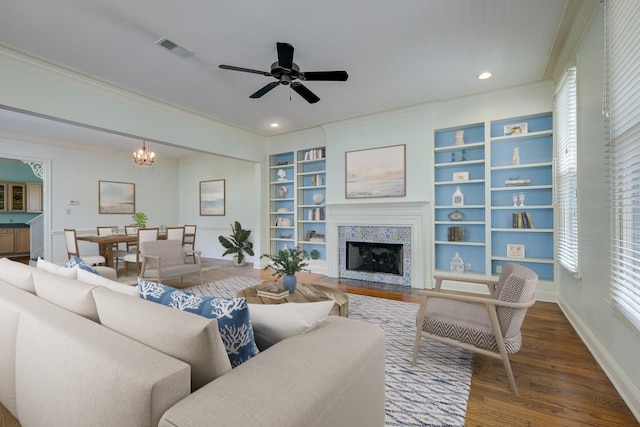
489	176
530	176
460	166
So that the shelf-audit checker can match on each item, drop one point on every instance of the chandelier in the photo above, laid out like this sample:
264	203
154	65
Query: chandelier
144	157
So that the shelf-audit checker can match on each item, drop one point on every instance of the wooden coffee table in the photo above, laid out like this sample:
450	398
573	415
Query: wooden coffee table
304	293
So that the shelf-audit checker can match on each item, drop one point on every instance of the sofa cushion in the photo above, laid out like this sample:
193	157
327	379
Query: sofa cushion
57	269
74	260
97	280
17	274
232	315
275	322
193	339
67	293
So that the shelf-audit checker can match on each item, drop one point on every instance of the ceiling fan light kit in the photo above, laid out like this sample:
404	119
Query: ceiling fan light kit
286	72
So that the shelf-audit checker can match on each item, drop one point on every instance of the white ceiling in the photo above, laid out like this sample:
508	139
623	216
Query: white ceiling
397	53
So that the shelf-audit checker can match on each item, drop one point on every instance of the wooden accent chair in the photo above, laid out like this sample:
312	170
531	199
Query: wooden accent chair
486	325
164	259
105	230
71	239
144	235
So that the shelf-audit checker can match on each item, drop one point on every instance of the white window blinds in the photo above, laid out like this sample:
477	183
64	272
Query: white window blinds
622	90
567	172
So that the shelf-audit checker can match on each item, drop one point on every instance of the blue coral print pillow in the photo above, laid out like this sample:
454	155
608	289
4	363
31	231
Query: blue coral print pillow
232	315
74	260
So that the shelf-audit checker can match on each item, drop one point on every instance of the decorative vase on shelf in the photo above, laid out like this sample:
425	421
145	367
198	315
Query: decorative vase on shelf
459	138
289	282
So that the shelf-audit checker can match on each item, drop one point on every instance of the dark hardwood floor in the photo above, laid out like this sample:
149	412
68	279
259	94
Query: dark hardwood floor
559	382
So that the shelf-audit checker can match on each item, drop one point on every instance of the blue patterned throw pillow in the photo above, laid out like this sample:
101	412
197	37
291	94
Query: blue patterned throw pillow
232	315
74	260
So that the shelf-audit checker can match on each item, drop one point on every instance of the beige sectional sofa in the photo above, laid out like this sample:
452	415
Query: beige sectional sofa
79	354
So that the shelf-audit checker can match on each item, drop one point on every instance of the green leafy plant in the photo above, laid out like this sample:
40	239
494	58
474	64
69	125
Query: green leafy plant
237	243
287	262
140	219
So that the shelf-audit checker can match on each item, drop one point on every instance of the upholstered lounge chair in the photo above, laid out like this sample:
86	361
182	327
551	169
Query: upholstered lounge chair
164	259
485	325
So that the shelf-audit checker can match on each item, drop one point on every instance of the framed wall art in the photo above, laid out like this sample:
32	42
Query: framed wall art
375	172
212	197
515	251
116	197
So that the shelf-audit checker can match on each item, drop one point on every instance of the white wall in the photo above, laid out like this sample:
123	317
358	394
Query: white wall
243	200
586	301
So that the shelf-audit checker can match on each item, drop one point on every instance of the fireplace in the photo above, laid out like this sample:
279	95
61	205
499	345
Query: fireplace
374	257
398	223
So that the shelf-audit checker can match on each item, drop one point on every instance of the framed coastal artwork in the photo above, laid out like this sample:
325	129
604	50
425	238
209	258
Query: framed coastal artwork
375	172
212	197
116	197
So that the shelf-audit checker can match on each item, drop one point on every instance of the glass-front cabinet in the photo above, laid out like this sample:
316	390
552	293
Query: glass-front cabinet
4	196
17	197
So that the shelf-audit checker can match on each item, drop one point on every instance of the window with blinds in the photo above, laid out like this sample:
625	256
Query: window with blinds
567	172
622	109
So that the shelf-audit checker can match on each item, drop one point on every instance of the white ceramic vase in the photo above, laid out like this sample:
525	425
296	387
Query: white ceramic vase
459	138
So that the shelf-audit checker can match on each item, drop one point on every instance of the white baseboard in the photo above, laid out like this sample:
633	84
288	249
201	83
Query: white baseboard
627	390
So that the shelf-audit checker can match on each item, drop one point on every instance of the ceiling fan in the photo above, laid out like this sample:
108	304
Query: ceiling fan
285	71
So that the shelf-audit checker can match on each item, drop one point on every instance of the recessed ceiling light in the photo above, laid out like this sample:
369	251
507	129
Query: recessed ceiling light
485	75
274	125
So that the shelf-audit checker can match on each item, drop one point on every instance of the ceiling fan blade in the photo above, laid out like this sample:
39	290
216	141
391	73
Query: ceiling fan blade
264	90
332	76
304	92
285	55
244	70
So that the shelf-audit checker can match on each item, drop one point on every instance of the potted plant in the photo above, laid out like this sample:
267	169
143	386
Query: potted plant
237	243
286	263
140	219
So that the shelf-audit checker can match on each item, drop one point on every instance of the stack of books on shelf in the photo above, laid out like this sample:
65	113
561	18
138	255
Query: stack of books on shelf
271	290
317	180
521	220
318	153
454	234
315	214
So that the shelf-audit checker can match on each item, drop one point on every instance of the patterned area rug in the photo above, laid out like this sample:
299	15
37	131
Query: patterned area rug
434	393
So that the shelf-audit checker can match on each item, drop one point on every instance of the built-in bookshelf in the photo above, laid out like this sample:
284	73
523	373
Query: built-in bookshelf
297	188
493	202
459	181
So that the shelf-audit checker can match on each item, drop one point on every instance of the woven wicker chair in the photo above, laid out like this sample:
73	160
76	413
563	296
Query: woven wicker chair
485	325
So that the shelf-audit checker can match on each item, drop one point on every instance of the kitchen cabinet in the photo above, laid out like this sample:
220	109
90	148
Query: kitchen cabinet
16	197
34	196
4	196
7	240
22	240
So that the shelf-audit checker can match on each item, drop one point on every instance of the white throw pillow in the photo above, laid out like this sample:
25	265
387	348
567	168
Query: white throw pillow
45	265
97	280
17	274
275	322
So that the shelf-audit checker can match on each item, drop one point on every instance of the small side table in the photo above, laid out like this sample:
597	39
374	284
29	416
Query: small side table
304	293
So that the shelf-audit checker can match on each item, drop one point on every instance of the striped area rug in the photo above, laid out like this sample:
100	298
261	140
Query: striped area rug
434	393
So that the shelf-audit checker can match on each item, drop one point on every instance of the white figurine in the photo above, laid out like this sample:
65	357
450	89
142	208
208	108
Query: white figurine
515	200
282	175
515	160
521	197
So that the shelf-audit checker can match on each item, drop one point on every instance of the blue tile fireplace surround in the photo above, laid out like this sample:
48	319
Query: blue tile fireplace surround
384	235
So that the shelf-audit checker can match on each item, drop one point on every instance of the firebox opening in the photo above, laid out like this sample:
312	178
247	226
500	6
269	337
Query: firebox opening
375	257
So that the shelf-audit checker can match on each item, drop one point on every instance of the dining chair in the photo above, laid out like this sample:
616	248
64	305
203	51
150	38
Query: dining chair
176	233
71	239
190	239
117	253
131	230
144	235
489	325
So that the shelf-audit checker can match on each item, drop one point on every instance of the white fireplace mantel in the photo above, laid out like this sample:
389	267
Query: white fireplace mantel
408	214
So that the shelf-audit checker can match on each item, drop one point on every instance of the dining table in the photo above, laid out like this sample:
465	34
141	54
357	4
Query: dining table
106	243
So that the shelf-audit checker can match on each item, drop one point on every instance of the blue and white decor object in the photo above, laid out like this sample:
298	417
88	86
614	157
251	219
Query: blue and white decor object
232	315
73	261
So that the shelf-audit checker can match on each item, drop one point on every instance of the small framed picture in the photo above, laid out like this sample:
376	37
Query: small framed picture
515	251
461	176
515	129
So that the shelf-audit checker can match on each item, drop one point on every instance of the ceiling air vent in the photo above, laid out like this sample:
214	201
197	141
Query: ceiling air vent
175	48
